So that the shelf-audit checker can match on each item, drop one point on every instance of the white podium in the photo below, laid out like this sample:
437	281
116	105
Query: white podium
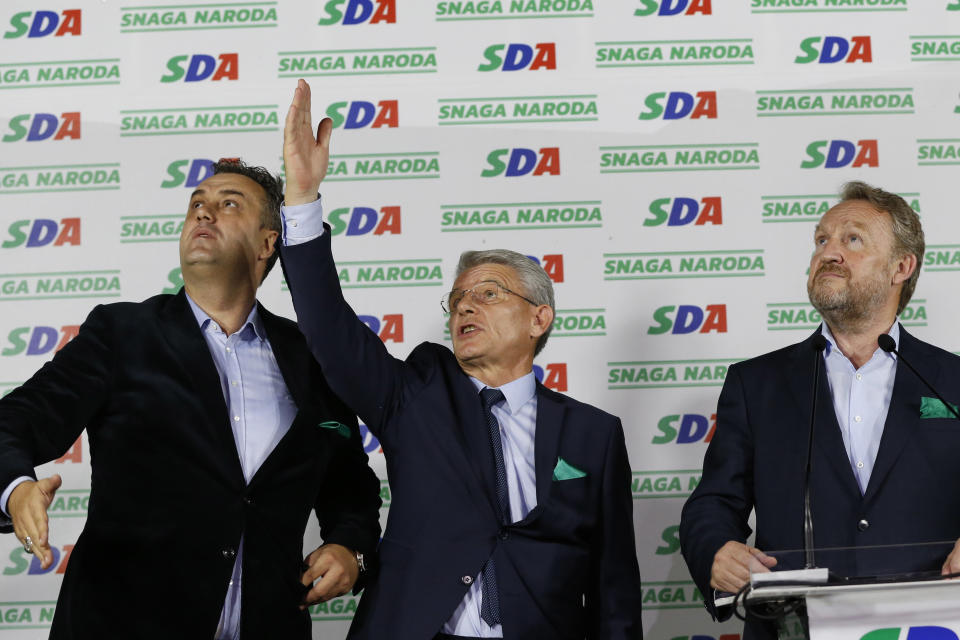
926	610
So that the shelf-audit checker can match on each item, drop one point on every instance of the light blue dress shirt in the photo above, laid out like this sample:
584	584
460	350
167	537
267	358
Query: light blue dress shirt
861	399
517	416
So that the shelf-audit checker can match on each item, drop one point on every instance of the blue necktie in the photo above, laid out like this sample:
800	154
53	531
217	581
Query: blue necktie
490	604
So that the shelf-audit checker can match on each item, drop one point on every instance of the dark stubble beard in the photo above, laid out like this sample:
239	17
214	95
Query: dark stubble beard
848	308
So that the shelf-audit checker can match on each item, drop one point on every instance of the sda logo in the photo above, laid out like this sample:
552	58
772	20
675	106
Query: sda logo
22	561
680	104
693	427
521	162
359	12
202	66
519	56
362	114
197	170
689	318
552	376
912	633
682	211
552	264
41	341
835	49
841	153
674	7
671	536
360	221
44	126
43	232
45	23
389	329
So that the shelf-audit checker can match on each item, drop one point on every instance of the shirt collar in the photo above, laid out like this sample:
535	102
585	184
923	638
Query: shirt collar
517	392
253	327
894	333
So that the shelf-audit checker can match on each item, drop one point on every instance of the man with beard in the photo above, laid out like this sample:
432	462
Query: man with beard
883	465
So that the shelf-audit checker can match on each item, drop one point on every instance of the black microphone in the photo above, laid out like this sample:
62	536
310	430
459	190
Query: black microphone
887	344
819	343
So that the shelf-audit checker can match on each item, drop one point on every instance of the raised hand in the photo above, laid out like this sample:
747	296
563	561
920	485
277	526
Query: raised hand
305	156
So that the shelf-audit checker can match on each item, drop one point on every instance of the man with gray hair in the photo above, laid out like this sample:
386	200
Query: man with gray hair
511	511
884	481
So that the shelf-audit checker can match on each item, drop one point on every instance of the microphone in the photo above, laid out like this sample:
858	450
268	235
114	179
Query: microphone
887	343
818	344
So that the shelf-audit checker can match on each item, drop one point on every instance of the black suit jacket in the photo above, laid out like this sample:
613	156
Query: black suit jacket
757	456
168	500
566	571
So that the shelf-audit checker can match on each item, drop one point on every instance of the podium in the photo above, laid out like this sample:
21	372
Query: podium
925	610
881	592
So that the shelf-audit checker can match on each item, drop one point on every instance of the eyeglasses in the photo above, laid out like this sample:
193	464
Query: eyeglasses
486	292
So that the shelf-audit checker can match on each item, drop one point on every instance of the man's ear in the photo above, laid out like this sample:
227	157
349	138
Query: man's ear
269	244
542	320
906	266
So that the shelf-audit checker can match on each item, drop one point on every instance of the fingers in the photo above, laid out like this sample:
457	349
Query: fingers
952	563
333	568
734	562
28	509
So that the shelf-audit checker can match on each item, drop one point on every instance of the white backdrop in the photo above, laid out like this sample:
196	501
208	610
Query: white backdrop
664	159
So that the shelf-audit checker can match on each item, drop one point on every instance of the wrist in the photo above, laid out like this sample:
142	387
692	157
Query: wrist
293	199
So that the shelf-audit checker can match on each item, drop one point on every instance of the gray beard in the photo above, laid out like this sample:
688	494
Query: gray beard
849	309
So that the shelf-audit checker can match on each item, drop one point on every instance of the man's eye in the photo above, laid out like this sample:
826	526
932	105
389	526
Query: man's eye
229	203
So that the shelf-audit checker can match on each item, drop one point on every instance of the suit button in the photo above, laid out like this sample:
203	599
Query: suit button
247	500
863	525
229	554
504	534
467	579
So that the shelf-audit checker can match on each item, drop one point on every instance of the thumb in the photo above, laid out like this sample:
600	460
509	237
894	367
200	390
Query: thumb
324	130
50	485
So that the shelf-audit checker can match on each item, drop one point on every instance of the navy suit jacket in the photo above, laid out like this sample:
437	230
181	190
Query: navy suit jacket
757	456
566	571
168	499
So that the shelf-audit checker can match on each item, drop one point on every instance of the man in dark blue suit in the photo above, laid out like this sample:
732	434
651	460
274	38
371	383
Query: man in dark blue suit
511	509
884	466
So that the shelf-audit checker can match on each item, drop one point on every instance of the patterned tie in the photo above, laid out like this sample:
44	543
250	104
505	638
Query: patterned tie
490	604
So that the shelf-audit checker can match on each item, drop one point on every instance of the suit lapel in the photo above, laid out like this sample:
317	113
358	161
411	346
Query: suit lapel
904	410
293	360
828	439
187	346
549	428
472	435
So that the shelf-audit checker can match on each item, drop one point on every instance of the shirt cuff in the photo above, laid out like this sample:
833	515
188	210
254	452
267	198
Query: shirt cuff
5	496
302	222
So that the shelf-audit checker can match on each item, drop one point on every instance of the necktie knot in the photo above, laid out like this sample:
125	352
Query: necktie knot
491	397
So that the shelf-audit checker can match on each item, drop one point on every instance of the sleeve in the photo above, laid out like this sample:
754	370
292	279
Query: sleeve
350	515
41	420
717	510
614	600
356	364
302	222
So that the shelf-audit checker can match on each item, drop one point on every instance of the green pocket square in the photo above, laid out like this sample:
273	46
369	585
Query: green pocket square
566	471
339	427
934	408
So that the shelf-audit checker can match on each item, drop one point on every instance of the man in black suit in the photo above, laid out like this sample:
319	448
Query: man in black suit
212	436
884	466
511	511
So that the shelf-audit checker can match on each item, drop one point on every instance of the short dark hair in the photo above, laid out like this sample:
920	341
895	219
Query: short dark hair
907	231
273	190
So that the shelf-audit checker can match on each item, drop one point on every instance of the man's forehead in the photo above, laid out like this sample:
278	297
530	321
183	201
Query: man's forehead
234	183
486	271
858	214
